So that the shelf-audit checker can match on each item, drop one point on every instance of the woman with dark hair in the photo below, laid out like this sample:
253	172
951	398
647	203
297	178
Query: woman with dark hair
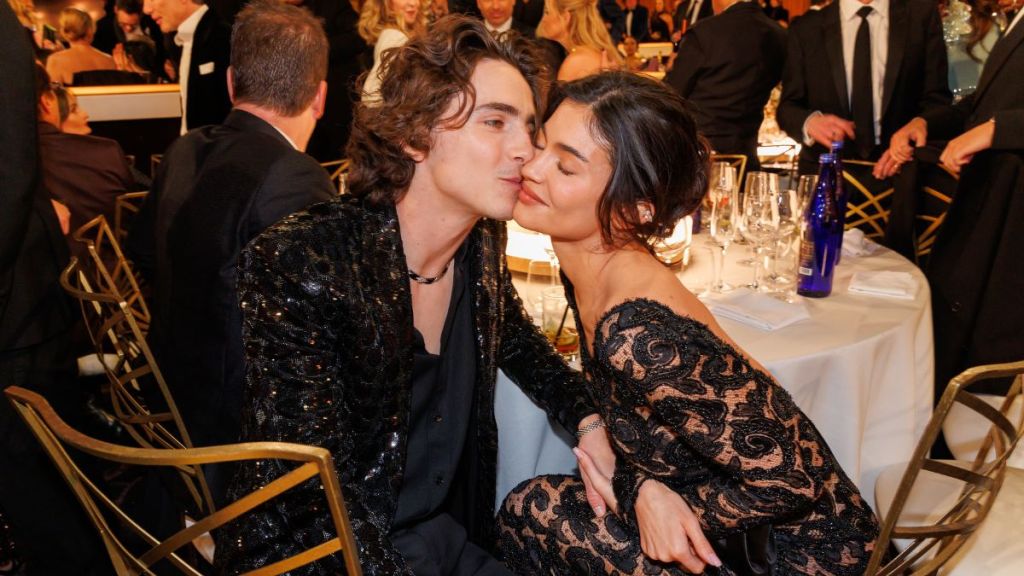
716	445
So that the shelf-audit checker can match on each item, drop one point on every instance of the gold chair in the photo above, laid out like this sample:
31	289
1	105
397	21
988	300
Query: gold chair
938	505
737	161
937	186
869	201
338	170
139	395
126	206
56	437
110	271
154	163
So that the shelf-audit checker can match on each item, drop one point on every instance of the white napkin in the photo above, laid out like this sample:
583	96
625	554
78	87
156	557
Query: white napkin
888	283
856	244
758	310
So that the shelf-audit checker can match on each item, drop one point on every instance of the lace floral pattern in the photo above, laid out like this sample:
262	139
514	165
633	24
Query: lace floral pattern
686	408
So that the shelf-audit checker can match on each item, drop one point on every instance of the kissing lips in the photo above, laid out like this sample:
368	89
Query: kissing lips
526	196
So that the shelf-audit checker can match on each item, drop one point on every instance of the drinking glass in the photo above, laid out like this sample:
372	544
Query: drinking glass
722	195
805	191
558	322
758	221
782	261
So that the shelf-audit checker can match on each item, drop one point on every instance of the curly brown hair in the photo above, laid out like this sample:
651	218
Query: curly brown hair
420	80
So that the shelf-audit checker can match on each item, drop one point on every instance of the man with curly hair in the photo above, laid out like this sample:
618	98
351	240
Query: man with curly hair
375	325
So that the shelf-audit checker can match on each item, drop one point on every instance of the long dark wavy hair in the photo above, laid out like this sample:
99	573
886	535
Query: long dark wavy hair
420	80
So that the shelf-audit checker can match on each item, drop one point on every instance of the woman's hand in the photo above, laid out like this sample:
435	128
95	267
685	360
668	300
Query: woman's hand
598	448
669	530
961	150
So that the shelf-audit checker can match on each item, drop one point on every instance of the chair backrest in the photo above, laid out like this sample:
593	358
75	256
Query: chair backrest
737	161
142	551
338	170
929	547
870	200
141	401
938	184
126	206
109	270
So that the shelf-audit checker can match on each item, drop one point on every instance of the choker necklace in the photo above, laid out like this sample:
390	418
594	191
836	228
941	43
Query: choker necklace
427	280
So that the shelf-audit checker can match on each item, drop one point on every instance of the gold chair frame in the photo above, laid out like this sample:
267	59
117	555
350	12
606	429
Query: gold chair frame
111	271
338	170
870	213
128	203
54	434
983	478
926	239
113	329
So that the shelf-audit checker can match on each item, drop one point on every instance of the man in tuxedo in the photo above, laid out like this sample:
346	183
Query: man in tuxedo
858	70
205	43
690	12
974	269
498	18
727	67
216	189
52	533
529	12
635	21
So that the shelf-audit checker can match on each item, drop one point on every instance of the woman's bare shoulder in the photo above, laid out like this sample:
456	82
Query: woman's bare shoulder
582	61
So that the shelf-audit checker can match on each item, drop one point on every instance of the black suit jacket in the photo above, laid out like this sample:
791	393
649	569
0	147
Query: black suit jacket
683	12
975	271
216	189
33	307
814	78
727	67
329	339
640	26
85	173
208	101
529	12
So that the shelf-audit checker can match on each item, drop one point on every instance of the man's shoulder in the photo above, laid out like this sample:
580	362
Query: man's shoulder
326	227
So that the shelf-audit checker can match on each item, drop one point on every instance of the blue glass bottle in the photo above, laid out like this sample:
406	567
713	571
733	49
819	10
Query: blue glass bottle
822	228
840	193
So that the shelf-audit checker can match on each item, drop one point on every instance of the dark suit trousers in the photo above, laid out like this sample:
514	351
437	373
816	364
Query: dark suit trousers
51	531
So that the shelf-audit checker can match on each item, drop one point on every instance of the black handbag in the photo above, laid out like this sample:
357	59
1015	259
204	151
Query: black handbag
750	553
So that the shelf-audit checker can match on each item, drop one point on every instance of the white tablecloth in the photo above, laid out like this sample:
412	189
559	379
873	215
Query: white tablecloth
861	368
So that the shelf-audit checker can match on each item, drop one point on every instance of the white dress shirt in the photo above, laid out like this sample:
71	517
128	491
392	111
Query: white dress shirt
878	24
1016	19
186	32
500	29
694	11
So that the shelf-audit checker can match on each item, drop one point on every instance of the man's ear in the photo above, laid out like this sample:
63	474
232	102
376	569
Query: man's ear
231	85
48	106
319	100
416	155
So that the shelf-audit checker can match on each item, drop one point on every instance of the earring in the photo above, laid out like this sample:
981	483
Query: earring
645	215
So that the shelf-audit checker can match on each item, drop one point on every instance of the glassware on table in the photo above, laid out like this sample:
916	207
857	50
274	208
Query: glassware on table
722	220
805	191
782	260
539	275
674	248
758	220
558	322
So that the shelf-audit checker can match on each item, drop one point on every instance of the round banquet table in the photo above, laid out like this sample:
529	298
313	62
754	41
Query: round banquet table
860	367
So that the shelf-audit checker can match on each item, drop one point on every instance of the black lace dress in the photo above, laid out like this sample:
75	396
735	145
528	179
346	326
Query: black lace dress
686	408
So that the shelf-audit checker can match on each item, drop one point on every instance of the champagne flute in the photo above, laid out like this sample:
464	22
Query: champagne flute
759	224
723	218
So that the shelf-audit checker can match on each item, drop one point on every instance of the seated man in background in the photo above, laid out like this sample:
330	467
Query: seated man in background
216	189
84	173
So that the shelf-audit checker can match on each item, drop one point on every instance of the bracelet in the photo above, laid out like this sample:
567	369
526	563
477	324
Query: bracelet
590	428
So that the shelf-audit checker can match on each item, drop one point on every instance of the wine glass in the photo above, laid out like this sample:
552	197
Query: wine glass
805	191
758	222
722	195
786	205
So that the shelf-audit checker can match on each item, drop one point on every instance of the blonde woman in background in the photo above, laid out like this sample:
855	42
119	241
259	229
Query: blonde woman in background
576	25
77	29
387	24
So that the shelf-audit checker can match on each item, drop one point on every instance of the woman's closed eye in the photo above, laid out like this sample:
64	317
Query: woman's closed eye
561	168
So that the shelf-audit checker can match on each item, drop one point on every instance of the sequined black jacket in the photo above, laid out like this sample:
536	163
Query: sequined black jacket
328	332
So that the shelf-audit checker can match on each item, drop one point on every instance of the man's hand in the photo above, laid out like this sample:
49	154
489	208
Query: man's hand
669	530
595	444
903	142
828	128
961	150
63	216
886	166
